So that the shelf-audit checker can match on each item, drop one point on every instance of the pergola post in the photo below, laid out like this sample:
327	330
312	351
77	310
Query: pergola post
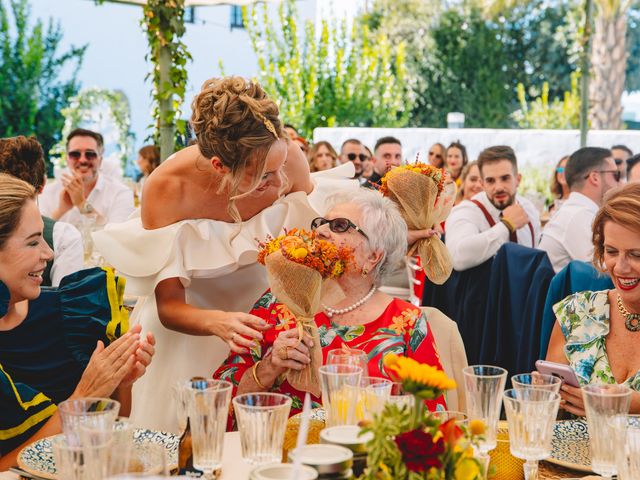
166	127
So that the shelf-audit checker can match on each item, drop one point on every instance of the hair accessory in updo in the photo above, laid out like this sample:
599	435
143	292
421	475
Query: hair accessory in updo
267	123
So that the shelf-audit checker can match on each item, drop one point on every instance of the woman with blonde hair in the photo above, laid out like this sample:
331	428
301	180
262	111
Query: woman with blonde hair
470	182
597	332
191	257
322	156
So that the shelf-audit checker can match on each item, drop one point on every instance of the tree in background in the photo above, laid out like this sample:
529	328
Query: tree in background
331	77
32	94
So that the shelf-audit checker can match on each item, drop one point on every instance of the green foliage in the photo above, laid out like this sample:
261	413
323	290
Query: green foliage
31	91
92	105
557	114
164	25
331	77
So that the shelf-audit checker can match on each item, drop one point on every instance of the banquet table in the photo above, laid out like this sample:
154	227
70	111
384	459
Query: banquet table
233	468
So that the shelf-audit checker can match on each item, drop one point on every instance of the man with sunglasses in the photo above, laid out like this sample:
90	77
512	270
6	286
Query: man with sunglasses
83	190
590	173
352	150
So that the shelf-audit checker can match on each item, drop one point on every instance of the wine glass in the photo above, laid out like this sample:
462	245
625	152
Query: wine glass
349	356
531	414
607	407
484	385
208	410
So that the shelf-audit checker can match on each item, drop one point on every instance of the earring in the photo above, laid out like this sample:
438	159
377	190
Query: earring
365	272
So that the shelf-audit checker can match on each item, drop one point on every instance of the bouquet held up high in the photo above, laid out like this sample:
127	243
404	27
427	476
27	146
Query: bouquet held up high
425	199
300	270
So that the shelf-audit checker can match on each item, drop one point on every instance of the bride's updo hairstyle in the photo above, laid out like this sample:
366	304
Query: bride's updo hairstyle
235	121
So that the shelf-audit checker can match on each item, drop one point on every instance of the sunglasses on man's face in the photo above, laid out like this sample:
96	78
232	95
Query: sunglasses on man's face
88	154
337	225
434	154
617	175
619	161
361	156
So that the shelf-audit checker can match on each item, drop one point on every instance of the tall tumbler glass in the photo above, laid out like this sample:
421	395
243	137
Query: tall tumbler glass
349	356
531	414
484	386
88	412
607	407
628	453
373	394
536	380
75	462
208	409
262	420
340	384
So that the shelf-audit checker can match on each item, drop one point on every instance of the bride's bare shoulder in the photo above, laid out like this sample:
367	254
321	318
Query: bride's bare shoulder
163	189
298	170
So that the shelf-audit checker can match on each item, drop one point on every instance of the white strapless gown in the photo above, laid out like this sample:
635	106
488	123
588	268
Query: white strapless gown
216	263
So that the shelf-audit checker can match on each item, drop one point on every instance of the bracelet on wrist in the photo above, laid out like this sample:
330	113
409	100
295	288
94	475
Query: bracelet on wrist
508	224
255	375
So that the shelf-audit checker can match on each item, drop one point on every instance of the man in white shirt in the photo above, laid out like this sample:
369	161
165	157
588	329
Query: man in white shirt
590	172
477	228
23	158
83	191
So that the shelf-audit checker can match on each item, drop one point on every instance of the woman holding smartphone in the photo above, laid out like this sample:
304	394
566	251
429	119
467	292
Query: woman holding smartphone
597	333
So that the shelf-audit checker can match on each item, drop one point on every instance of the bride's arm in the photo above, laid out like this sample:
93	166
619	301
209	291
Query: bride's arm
236	328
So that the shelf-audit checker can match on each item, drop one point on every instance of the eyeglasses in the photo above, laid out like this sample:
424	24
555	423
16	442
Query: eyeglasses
437	155
616	174
88	154
361	156
619	161
337	225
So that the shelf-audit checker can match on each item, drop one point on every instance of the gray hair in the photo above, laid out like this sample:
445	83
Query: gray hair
382	222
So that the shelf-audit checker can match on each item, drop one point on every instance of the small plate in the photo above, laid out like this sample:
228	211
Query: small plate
570	445
37	458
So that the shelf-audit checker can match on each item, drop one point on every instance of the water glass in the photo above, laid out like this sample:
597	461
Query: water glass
208	410
75	462
607	407
537	380
460	418
531	414
373	394
484	386
262	420
89	412
119	437
399	397
628	453
349	356
340	384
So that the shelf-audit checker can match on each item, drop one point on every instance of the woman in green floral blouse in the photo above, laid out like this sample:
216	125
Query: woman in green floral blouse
598	333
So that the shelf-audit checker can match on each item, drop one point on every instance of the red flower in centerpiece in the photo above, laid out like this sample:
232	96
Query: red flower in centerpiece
419	451
451	432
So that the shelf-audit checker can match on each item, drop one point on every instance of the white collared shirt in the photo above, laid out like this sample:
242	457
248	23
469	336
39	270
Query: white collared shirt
68	252
470	239
567	236
110	198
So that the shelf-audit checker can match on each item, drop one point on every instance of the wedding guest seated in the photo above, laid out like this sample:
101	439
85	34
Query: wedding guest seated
590	174
477	228
559	187
621	155
387	154
52	343
322	156
633	169
436	155
365	319
23	158
597	332
470	182
83	190
455	159
148	161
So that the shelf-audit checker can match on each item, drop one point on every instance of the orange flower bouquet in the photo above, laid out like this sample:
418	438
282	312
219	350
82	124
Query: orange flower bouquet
300	267
425	199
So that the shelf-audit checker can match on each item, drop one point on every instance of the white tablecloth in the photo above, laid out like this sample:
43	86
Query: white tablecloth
233	467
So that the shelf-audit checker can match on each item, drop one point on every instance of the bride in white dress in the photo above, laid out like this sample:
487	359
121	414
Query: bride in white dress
191	255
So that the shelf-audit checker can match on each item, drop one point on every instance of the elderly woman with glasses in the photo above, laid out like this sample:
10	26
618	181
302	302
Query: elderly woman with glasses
366	319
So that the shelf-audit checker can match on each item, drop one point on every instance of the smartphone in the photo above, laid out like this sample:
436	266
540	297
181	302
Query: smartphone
565	372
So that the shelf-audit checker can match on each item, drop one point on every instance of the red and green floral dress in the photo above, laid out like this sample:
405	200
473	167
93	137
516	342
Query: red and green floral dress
401	329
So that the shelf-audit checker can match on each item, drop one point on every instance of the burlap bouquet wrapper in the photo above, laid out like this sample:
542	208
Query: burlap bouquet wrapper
422	208
300	289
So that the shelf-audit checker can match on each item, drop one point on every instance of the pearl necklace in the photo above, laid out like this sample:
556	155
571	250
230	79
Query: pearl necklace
340	311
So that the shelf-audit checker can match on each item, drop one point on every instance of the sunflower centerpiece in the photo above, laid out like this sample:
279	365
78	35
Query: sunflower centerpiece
409	443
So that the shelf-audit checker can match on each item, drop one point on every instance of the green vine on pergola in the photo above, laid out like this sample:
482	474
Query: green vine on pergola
164	24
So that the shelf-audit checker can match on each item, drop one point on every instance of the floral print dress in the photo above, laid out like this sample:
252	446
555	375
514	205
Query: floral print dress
584	320
401	329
